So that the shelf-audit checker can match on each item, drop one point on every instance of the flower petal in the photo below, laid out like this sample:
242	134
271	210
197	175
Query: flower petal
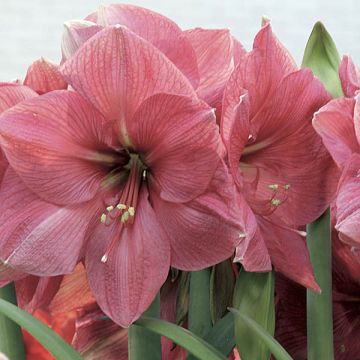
76	33
33	238
288	253
159	30
51	142
128	282
334	122
44	76
179	138
349	76
206	230
285	160
214	53
8	274
117	70
11	94
264	67
348	203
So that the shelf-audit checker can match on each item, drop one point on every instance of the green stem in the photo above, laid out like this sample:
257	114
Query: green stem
143	343
11	340
199	302
319	306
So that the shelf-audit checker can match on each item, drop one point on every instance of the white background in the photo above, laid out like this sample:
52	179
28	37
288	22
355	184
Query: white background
30	29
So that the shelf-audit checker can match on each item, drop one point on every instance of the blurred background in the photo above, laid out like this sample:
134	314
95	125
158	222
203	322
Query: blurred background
30	29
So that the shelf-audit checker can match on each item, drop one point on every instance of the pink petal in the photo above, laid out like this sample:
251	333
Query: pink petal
334	122
51	142
214	52
11	94
239	52
206	230
289	253
116	70
349	76
35	292
74	293
8	274
76	33
285	151
33	238
179	138
160	31
264	67
128	282
44	76
96	338
348	203
251	252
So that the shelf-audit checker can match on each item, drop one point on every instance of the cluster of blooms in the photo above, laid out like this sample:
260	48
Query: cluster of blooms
149	148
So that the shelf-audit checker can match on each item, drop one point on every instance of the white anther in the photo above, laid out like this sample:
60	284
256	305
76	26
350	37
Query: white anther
110	208
287	186
125	217
273	187
104	259
103	218
131	211
275	202
121	206
144	174
242	235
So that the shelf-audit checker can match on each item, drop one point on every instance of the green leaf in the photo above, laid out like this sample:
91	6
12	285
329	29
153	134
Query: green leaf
254	297
11	339
142	343
52	341
222	281
322	57
199	318
319	306
255	330
182	300
185	338
221	336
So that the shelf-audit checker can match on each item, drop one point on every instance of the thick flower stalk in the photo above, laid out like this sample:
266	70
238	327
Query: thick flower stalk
130	162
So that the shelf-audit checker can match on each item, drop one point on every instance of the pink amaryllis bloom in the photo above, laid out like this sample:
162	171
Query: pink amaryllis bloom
337	124
278	161
124	172
206	57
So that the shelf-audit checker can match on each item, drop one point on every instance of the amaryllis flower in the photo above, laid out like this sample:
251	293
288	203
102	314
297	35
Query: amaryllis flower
124	171
206	57
337	124
278	161
291	308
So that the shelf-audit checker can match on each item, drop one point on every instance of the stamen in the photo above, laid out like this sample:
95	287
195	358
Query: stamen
121	206
103	218
275	202
104	259
125	217
131	211
273	187
110	208
286	186
242	235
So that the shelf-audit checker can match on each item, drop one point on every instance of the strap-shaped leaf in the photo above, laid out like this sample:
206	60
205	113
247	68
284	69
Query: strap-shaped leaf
186	339
52	341
254	297
256	330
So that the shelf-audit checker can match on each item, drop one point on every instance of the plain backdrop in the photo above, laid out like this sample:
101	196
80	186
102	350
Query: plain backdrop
30	29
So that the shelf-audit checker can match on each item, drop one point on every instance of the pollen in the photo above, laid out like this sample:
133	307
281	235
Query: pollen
103	218
273	187
275	202
286	186
110	208
131	211
121	206
125	217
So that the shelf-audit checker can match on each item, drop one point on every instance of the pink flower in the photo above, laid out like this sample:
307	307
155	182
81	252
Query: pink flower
124	172
205	57
278	161
337	124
